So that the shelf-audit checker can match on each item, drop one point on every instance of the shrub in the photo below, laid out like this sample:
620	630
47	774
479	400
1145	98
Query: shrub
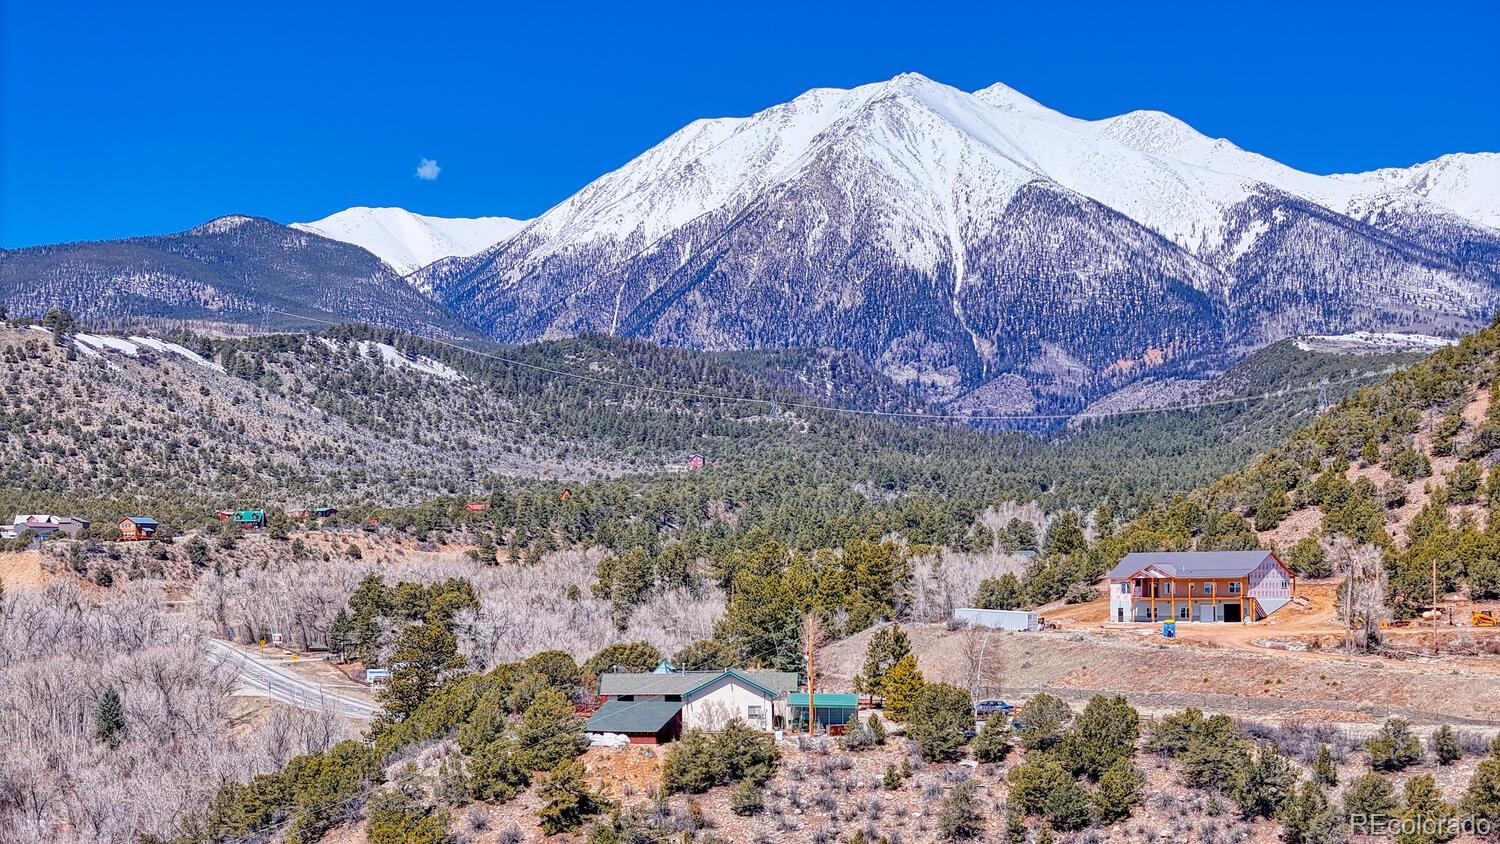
993	742
960	817
747	798
1395	747
1445	747
1039	722
1324	771
1308	558
701	761
566	798
398	816
1262	784
1368	795
1119	789
940	716
1104	734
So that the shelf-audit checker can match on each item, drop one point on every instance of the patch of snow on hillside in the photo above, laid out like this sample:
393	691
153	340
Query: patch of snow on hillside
97	343
391	356
1370	342
180	351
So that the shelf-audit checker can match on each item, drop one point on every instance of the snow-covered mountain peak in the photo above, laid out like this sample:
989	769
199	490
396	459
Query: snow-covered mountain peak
1006	98
406	241
219	225
1466	184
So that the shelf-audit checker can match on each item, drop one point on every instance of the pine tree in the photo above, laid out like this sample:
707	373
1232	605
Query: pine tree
1119	789
1306	817
940	716
1445	745
901	686
1263	784
1426	813
993	741
888	646
109	718
877	728
549	734
567	800
1482	797
1104	734
1324	771
960	817
893	778
1368	795
1395	747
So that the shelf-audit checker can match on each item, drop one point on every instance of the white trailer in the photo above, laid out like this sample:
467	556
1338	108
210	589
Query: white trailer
998	619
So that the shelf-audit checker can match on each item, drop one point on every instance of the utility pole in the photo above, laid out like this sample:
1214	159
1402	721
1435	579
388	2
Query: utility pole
812	681
1434	603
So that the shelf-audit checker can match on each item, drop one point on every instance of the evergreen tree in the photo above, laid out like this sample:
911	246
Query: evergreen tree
1395	747
567	801
549	734
901	686
1426	816
888	646
1104	734
960	817
940	716
1119	789
1367	796
993	741
999	593
398	816
1306	817
1263	783
1482	797
1445	745
1324	771
1064	535
109	718
1039	722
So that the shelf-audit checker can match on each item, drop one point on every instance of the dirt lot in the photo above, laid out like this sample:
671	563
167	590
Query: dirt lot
1285	668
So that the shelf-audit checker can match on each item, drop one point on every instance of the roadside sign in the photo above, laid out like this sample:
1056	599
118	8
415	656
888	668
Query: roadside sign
275	638
229	633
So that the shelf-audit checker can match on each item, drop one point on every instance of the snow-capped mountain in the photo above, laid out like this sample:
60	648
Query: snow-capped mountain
406	241
952	238
235	269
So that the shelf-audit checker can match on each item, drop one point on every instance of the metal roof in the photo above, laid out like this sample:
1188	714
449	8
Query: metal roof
820	700
1191	563
141	520
683	682
627	716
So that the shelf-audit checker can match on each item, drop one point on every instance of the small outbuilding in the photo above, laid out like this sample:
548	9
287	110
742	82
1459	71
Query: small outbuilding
998	619
136	528
829	710
641	721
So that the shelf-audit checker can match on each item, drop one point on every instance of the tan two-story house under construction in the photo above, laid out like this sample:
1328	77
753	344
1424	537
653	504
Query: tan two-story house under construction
1232	586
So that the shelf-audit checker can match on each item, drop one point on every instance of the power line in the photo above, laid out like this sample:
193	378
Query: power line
776	404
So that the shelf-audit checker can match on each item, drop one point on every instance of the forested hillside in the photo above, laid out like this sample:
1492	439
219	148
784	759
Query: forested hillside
1396	482
361	418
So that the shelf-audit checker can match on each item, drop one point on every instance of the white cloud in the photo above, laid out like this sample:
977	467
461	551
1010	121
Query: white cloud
428	169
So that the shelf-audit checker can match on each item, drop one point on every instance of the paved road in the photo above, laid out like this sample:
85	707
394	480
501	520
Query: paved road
272	677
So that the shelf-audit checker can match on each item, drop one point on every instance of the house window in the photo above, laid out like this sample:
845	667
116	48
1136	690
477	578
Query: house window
754	711
1124	587
1208	587
1234	587
1182	612
1166	588
673	698
625	697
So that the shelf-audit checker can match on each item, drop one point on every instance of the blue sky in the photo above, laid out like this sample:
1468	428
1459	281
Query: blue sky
124	119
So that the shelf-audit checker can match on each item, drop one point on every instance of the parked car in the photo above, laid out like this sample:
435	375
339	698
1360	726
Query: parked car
986	708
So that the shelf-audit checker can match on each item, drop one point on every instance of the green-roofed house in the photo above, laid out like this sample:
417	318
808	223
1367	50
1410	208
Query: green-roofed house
640	721
829	709
706	700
